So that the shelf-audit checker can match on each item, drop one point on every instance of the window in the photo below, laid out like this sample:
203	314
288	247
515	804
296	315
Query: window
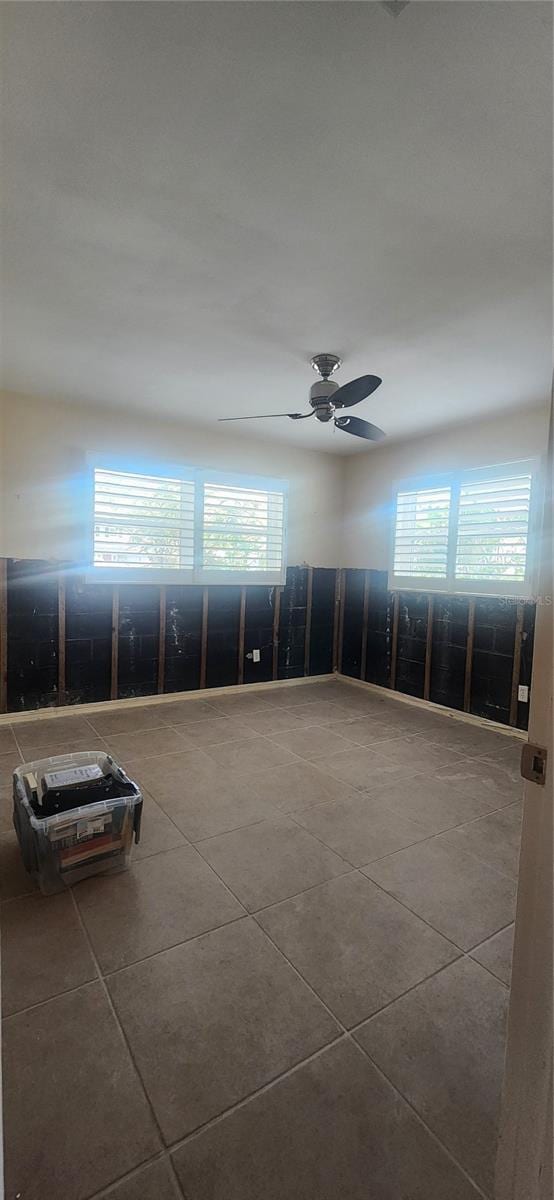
421	539
188	526
468	532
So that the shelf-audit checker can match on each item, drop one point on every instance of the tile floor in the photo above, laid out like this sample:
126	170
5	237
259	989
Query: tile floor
298	991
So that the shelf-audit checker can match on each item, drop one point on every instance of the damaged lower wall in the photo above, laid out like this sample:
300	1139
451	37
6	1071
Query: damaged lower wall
66	641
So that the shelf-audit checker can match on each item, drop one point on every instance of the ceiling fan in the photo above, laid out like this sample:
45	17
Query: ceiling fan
326	397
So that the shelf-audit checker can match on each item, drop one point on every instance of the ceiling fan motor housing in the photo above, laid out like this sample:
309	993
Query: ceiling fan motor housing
321	394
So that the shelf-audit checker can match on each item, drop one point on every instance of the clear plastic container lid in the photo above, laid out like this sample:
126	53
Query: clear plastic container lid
83	762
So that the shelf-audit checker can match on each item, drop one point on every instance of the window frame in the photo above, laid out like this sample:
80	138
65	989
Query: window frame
455	480
196	575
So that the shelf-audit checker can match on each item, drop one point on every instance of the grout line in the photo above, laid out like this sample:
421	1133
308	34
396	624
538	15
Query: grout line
134	1173
265	1087
422	1121
119	1026
137	962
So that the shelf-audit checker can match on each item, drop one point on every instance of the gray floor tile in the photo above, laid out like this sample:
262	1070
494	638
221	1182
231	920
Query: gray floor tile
240	703
169	778
464	899
126	720
157	832
442	1046
363	769
153	1182
473	740
297	786
298	694
311	743
14	880
8	763
54	729
217	729
494	839
211	1021
321	712
248	755
160	902
483	780
148	743
509	758
280	720
332	1130
71	746
270	861
216	805
360	828
82	1120
44	951
432	802
8	744
417	752
496	953
187	711
368	731
356	946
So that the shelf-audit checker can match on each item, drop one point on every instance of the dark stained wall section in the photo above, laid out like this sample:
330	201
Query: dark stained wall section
412	641
379	630
32	655
493	652
307	620
351	660
258	634
292	624
222	654
448	650
323	619
183	632
88	640
139	634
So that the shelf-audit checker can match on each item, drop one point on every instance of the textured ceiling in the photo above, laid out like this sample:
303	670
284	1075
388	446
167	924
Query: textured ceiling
197	197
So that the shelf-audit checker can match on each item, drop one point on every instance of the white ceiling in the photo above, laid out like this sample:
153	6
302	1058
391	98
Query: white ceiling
200	196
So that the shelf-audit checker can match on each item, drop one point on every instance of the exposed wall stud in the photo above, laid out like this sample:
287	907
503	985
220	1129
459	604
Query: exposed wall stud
336	621
276	618
161	642
363	656
394	643
469	654
61	639
342	589
428	648
308	634
204	639
242	613
3	635
517	663
115	641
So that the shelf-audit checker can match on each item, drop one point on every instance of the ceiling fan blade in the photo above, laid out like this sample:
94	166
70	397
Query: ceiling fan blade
356	390
263	416
359	428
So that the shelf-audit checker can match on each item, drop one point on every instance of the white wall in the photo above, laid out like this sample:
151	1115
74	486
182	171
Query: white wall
43	449
340	508
371	480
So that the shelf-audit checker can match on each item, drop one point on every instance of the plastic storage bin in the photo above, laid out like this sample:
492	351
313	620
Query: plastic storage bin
89	839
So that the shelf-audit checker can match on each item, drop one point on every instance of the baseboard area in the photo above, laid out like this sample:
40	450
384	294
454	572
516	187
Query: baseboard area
440	709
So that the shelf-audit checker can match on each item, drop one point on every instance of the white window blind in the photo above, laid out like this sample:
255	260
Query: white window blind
493	524
143	521
468	531
421	533
242	529
198	526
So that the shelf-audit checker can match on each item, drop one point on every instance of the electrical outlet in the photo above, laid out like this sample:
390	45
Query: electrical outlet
523	693
256	655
